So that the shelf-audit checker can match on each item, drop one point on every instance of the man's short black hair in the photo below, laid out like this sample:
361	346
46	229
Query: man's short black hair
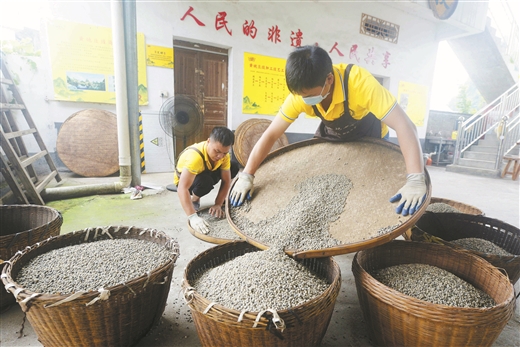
223	135
307	67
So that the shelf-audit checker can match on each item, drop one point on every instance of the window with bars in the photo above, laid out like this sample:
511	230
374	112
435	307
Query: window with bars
379	28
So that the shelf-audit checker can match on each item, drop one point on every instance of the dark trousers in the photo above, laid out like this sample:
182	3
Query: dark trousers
206	180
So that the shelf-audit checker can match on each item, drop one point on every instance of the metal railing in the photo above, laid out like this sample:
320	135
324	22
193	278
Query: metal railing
499	118
510	135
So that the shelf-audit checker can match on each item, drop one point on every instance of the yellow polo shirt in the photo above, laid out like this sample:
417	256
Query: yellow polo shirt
191	160
365	94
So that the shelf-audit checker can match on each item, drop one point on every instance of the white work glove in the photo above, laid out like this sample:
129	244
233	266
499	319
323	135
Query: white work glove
198	223
412	194
243	188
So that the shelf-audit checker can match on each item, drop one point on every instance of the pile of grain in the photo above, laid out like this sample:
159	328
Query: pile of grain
90	266
218	227
260	280
481	245
440	207
304	223
433	284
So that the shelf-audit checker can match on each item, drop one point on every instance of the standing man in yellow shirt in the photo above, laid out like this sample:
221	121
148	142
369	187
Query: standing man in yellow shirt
351	104
199	168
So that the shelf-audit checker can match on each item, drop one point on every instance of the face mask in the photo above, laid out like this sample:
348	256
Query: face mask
314	100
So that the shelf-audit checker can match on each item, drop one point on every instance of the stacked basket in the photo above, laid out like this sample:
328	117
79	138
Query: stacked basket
460	206
22	226
118	316
446	227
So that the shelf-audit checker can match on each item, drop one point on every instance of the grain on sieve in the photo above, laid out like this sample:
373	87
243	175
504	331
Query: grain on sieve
304	223
218	227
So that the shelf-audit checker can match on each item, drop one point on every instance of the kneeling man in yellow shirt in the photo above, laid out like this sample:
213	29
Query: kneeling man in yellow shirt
201	166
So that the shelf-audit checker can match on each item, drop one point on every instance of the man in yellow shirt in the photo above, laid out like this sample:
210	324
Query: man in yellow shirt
325	90
199	168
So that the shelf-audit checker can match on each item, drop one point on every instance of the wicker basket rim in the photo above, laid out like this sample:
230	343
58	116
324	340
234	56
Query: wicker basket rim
186	284
480	220
251	315
55	213
482	254
25	293
469	209
420	304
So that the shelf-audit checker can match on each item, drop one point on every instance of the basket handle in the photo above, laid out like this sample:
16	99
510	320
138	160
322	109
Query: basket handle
278	322
502	270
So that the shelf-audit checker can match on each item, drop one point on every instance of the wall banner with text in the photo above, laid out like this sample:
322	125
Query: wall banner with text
82	62
159	56
264	84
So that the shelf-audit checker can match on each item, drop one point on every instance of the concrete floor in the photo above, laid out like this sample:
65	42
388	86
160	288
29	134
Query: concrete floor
160	209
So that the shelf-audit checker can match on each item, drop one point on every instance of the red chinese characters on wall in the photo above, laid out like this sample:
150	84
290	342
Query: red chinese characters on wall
249	29
274	34
189	13
296	38
221	22
386	59
370	56
335	47
353	53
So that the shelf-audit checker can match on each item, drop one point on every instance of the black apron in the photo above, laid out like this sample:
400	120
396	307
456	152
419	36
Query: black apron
346	128
196	150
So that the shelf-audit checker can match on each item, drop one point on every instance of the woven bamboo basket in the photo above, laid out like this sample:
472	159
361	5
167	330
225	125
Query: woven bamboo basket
396	319
462	207
446	227
118	319
22	226
305	325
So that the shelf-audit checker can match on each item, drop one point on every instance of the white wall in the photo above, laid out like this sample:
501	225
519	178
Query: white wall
412	59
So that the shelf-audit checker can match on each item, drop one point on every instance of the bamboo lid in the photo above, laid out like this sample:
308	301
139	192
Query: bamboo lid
87	143
247	135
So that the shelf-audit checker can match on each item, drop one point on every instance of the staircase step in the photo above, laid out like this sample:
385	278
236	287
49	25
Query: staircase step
490	141
480	155
473	171
479	164
486	149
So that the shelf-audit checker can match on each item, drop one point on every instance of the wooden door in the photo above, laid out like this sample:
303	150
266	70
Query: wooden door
200	73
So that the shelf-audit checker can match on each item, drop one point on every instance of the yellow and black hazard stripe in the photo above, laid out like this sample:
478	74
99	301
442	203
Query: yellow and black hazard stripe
141	142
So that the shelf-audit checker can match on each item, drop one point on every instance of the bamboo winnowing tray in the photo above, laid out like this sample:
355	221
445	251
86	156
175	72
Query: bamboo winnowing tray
377	171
